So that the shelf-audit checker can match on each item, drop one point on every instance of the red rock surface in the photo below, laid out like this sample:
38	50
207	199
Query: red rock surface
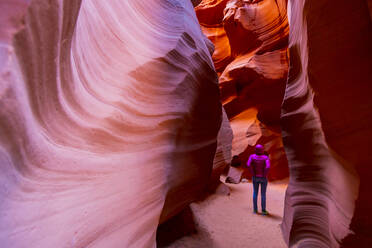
222	157
250	39
326	123
109	115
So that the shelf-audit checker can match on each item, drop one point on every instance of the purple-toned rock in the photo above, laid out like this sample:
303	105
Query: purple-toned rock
109	116
326	122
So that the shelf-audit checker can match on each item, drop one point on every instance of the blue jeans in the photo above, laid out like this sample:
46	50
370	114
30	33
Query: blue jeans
256	182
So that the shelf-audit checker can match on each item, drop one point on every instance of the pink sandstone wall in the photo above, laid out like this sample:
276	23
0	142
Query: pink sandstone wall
109	115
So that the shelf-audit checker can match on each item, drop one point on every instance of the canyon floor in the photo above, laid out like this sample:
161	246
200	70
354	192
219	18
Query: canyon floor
227	221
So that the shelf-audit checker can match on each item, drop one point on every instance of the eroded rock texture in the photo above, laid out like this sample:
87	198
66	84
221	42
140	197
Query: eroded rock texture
250	39
109	113
222	157
326	123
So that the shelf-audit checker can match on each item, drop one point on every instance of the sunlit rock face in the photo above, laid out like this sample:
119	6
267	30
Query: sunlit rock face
250	56
109	115
326	122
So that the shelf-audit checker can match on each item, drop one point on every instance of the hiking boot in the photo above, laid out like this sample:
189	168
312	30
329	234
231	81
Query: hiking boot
265	212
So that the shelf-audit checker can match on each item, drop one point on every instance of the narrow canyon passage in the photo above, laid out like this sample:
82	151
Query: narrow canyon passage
223	220
118	118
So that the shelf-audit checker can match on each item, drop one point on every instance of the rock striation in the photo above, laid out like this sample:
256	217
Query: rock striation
326	122
250	56
109	115
222	157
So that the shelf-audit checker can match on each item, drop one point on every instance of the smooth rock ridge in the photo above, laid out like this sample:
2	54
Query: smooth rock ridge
109	114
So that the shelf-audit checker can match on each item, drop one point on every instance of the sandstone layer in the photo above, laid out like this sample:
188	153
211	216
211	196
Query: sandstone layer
326	123
222	157
250	56
109	114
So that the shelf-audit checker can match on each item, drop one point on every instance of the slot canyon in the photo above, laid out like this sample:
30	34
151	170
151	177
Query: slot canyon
129	123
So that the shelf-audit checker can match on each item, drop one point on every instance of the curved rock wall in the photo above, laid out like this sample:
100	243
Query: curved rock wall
326	120
250	56
109	114
223	156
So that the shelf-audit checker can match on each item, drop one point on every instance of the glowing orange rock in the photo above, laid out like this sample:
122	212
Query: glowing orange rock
250	39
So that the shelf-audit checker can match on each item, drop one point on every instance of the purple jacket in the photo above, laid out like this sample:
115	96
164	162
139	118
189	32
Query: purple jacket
258	165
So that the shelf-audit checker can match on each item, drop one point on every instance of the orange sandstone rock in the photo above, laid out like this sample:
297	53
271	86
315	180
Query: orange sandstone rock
250	39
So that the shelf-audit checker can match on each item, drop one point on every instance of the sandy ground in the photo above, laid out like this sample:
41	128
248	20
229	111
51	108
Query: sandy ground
227	221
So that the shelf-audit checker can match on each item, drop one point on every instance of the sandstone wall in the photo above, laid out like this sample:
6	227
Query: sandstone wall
250	56
109	114
326	120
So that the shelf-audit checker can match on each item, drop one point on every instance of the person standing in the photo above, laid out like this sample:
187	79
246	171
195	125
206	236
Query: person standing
259	166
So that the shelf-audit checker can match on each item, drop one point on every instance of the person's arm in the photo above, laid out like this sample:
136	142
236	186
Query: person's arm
249	164
267	168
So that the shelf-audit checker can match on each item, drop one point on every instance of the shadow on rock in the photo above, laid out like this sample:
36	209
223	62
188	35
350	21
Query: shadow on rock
176	232
175	228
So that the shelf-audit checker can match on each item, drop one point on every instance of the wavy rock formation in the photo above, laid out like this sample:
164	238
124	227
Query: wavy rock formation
222	157
250	39
248	131
326	120
109	114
